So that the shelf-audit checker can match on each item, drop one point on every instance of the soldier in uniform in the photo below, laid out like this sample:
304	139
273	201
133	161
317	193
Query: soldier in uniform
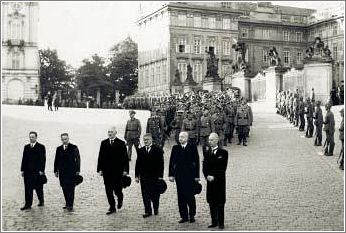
230	114
301	111
204	128
133	131
218	122
250	117
177	123
309	117
318	123
162	115
296	110
190	125
329	128
341	137
155	128
242	122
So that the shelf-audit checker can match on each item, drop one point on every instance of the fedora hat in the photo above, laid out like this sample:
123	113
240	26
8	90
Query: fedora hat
197	189
126	181
161	186
78	179
43	179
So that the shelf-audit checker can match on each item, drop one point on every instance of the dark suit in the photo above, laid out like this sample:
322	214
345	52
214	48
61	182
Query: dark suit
113	161
67	164
184	166
33	162
149	167
215	164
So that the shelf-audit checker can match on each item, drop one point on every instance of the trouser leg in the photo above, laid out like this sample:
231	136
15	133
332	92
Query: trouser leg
146	196
192	206
39	193
213	214
110	195
221	214
28	193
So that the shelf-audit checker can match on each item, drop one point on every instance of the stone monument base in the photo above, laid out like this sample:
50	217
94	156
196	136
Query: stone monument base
211	84
189	87
320	77
243	82
274	82
176	89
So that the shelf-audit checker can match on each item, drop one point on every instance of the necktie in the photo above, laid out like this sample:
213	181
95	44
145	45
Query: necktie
148	148
112	140
64	147
32	145
214	151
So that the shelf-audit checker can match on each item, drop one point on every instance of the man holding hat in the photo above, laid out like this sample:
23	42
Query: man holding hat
329	127
214	170
32	168
148	170
318	123
133	132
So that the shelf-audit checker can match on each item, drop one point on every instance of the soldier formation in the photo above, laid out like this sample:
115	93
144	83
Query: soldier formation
200	114
308	112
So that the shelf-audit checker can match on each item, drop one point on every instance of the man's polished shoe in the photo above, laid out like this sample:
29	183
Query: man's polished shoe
156	212
25	208
65	207
192	220
69	208
238	143
111	211
40	204
120	204
146	215
183	220
212	226
221	227
244	144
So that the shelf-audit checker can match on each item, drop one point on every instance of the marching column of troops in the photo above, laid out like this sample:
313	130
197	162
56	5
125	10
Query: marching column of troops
208	119
306	114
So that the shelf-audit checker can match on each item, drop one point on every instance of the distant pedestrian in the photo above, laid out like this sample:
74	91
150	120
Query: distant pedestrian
56	103
50	102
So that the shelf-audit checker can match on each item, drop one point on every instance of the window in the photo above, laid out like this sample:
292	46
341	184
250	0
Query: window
226	23
197	72
197	21
205	22
335	29
226	71
265	56
164	72
298	36
212	45
16	30
286	57
266	34
286	36
218	23
153	81
182	67
212	22
335	52
158	72
190	20
197	46
182	20
244	33
226	47
174	19
15	60
299	58
182	45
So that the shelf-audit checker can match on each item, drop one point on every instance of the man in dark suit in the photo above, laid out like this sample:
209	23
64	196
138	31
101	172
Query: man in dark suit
184	169
67	167
148	170
33	166
214	170
113	164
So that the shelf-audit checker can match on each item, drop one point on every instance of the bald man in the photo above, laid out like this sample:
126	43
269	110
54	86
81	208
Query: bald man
113	164
184	170
214	170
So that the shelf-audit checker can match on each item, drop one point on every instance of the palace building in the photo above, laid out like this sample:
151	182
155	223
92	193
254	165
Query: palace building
177	34
19	54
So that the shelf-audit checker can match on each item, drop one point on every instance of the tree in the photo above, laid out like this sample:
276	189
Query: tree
123	67
53	72
92	76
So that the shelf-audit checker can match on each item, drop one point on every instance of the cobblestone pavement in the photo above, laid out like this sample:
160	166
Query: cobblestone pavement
279	182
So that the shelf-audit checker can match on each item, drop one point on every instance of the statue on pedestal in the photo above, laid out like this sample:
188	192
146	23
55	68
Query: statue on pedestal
177	80
274	58
189	78
212	65
318	50
240	63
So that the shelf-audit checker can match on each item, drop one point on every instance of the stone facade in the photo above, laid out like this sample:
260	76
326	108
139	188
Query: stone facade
20	58
174	35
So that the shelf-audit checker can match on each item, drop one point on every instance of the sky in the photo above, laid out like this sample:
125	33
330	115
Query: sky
77	30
